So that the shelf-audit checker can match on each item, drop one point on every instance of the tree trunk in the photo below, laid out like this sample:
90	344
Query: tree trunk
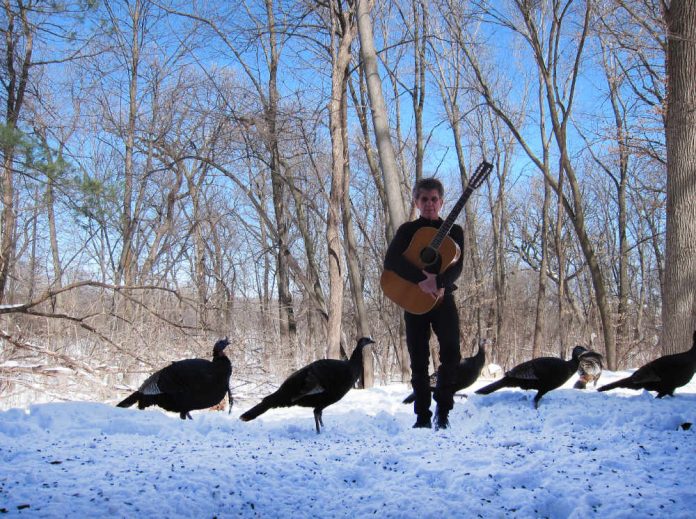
559	125
385	149
619	177
16	77
560	109
679	297
540	314
343	32
125	270
542	285
502	151
560	255
380	120
165	227
199	248
470	240
32	238
316	293
8	241
288	323
420	32
353	257
52	227
361	109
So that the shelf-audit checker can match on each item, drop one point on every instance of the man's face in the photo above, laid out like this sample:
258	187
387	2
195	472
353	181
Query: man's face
429	203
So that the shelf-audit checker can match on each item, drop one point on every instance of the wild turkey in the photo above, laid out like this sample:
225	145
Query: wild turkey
663	374
468	372
186	385
589	369
318	385
543	374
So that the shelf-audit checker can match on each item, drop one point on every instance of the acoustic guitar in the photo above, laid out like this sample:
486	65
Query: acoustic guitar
432	250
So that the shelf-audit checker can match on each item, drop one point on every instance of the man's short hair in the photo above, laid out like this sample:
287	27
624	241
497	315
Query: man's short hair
428	184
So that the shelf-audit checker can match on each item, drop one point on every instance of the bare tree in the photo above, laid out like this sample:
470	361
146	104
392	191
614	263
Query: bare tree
497	145
679	304
540	314
27	27
450	80
380	120
544	42
130	30
360	104
616	168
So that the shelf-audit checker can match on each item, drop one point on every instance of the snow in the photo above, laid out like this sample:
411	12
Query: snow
620	454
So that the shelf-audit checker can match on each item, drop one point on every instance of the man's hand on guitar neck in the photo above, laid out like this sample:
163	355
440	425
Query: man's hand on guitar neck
429	285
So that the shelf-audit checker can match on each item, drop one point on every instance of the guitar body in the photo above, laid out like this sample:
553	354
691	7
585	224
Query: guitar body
406	294
431	250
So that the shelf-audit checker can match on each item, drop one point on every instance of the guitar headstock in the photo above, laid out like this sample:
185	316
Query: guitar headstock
482	171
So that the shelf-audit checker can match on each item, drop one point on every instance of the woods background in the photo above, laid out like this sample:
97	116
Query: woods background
174	172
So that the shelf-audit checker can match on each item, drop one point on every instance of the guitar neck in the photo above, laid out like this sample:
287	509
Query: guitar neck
482	171
451	217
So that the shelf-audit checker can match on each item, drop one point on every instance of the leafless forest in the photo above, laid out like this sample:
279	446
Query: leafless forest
179	171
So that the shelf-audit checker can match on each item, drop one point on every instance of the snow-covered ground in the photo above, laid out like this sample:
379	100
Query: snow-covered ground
582	454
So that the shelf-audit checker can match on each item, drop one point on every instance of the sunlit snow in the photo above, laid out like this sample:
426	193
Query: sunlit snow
620	454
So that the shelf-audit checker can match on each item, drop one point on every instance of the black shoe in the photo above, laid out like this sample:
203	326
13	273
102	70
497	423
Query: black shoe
441	420
422	423
441	423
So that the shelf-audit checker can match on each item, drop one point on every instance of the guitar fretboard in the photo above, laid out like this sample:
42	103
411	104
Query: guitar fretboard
482	171
451	217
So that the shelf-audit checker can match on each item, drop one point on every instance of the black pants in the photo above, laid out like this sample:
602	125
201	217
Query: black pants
444	320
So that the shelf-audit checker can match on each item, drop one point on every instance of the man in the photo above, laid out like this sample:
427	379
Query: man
443	318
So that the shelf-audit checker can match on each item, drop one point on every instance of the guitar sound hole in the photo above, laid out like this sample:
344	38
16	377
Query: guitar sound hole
428	256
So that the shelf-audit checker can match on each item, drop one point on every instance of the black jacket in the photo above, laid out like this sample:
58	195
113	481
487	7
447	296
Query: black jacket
396	262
